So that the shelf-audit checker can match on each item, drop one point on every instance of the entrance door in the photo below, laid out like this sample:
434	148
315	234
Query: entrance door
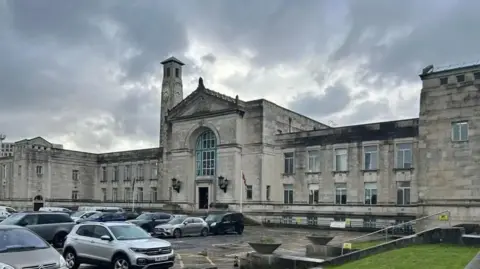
202	197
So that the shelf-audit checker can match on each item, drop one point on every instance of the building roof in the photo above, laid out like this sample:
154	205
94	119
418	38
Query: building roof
434	71
172	59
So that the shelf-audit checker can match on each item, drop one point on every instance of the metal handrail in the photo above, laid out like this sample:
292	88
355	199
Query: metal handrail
401	224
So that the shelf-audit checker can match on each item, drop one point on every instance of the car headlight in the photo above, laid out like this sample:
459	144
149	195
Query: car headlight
213	224
136	249
62	263
5	266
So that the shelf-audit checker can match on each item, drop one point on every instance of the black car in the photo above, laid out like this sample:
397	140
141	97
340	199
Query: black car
222	223
148	221
104	217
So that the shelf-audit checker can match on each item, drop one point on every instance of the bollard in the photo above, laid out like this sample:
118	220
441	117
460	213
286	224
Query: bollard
235	261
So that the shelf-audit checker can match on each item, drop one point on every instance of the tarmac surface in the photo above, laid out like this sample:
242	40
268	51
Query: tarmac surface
219	251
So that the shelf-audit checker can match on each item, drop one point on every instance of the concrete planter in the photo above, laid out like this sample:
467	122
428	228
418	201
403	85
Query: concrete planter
264	248
319	239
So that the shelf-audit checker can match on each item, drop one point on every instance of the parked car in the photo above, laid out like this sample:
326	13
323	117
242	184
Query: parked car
6	211
51	226
148	221
104	217
131	215
82	215
56	209
101	208
182	226
21	248
222	223
116	245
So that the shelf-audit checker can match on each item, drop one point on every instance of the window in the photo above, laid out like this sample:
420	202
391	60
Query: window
288	194
370	158
341	160
459	131
313	195
153	194
312	221
287	220
404	155
115	173
74	195
99	231
314	161
370	193
476	75
341	193
168	72
140	194
369	222
177	72
39	170
289	159
460	78
206	154
154	170
249	192
127	194
75	175
140	171
403	193
104	173
85	230
443	81
114	194
128	172
268	193
104	194
19	170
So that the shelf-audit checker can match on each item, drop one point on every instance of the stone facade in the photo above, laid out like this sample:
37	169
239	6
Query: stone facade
266	160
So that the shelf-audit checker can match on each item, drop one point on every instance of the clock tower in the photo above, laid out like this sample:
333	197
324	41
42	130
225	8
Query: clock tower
172	93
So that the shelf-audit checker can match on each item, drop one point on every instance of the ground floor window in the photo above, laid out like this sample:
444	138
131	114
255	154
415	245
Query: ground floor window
312	220
288	194
287	220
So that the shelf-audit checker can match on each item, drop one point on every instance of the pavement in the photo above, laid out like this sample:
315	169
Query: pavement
220	250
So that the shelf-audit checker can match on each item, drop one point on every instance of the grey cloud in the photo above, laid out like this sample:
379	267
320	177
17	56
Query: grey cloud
334	99
369	111
209	58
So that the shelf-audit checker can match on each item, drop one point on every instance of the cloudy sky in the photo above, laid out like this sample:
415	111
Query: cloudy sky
86	73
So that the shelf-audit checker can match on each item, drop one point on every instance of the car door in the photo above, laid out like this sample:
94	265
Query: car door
188	227
197	226
103	249
83	240
227	223
31	222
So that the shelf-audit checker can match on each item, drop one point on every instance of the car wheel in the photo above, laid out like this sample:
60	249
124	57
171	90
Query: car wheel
204	232
177	233
59	239
239	231
120	262
71	259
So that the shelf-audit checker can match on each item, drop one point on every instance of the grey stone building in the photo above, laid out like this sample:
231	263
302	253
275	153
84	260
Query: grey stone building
267	161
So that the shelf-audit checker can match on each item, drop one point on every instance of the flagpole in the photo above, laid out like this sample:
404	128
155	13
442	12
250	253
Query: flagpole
241	191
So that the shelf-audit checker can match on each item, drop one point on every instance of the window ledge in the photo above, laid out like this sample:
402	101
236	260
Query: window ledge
313	173
340	172
288	174
403	169
460	141
370	171
153	179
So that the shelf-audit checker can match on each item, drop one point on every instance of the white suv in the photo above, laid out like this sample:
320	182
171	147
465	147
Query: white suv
119	245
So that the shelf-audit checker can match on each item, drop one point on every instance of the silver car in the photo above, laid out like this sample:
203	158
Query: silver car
182	226
22	248
118	245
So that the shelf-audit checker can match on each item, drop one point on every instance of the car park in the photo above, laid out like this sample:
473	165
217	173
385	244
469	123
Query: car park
51	226
148	221
82	215
229	222
116	245
104	217
21	248
182	226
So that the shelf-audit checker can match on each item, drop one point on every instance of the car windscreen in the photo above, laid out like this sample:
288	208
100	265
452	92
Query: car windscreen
129	232
176	220
15	240
214	217
13	219
96	215
78	214
145	216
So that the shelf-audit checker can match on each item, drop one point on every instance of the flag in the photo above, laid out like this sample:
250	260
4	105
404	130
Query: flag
133	182
244	180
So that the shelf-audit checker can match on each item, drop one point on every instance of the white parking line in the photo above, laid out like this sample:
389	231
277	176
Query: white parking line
209	260
179	257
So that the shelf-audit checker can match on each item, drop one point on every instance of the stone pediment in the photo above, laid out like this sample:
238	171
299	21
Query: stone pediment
37	141
204	102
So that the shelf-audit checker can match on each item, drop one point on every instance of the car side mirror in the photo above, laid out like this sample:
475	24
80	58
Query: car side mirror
185	223
106	238
22	223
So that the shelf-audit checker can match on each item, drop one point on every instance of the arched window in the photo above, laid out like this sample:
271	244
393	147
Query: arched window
205	154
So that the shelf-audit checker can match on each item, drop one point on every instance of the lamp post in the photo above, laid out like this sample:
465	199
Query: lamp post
2	137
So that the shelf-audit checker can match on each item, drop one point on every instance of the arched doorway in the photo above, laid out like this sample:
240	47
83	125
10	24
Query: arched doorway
205	165
37	202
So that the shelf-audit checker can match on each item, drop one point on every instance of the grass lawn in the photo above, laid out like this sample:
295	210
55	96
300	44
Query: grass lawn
435	256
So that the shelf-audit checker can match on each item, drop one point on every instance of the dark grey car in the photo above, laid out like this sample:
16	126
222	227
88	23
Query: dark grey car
21	248
51	226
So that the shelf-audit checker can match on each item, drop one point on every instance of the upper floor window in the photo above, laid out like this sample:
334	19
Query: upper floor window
341	160
75	175
205	154
104	173
460	78
115	173
154	170
39	170
370	157
314	161
168	72
249	192
289	163
127	172
443	81
404	155
459	131
288	194
476	75
177	72
140	171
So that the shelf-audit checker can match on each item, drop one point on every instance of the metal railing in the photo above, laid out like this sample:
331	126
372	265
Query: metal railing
399	225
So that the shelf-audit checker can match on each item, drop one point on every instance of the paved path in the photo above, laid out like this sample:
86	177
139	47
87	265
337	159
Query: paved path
220	250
